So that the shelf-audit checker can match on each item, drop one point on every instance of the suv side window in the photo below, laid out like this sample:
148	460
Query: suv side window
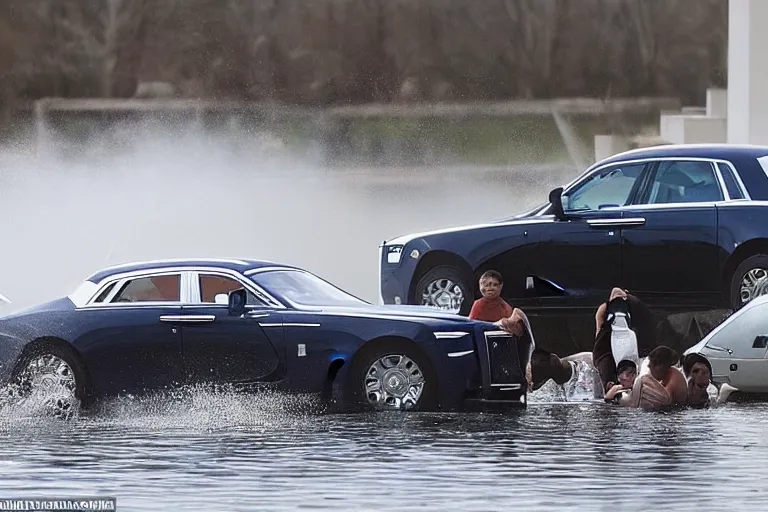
684	182
608	187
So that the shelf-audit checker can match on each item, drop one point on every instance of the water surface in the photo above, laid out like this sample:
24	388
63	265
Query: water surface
228	452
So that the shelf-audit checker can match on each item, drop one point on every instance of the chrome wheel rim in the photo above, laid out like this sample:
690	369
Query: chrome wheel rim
443	293
394	381
49	382
753	284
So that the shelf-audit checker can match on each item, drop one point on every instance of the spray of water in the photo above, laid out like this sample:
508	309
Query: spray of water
149	190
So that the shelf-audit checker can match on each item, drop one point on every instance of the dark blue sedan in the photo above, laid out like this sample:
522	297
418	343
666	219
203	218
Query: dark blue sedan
683	227
157	325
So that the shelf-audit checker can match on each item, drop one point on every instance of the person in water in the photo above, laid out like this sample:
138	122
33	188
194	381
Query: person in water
623	306
626	371
664	386
698	370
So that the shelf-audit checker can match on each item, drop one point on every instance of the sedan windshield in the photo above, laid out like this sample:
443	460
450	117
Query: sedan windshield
304	289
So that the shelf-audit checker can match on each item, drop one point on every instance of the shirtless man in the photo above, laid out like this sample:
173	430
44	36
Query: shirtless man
663	387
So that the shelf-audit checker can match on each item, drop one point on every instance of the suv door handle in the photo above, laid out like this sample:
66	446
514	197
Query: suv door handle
605	223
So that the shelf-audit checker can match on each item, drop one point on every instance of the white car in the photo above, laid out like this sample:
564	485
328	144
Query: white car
738	349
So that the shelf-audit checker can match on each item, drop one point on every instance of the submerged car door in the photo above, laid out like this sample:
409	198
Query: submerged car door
578	260
126	345
669	240
223	348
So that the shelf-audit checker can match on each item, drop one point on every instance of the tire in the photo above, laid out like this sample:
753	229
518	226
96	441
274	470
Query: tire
755	266
361	374
446	283
51	376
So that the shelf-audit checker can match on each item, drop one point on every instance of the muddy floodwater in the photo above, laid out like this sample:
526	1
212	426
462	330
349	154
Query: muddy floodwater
64	215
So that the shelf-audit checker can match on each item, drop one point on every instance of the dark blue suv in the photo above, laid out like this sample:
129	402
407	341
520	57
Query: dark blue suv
683	227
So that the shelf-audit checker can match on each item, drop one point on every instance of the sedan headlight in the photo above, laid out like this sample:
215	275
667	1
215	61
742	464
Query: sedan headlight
394	253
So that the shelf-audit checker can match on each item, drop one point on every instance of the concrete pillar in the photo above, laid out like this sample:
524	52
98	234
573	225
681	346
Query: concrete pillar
747	72
609	145
717	103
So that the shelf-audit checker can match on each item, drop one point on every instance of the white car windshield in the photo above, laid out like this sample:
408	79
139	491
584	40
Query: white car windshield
304	289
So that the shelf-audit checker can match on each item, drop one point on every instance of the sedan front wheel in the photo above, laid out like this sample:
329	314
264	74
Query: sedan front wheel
393	375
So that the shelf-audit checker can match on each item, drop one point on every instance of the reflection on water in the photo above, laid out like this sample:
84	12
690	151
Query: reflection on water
215	451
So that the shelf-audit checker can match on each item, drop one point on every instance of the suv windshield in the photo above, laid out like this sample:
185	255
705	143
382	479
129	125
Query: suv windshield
304	289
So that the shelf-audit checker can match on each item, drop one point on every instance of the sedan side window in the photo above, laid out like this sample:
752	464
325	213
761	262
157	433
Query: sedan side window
150	289
608	187
685	182
212	285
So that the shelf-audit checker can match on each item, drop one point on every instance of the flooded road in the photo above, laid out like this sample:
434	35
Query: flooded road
163	195
239	453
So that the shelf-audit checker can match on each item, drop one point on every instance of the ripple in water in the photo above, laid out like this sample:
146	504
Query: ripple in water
213	449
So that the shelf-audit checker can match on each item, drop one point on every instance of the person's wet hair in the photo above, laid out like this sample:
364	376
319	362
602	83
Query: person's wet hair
691	359
545	366
663	356
624	365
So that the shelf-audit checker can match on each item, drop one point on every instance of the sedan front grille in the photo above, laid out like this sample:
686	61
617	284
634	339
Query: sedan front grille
503	359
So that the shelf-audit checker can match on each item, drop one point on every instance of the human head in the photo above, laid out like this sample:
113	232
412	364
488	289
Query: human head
491	283
660	360
698	369
626	372
545	366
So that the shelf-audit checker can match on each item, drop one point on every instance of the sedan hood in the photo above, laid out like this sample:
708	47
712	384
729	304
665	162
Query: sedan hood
398	312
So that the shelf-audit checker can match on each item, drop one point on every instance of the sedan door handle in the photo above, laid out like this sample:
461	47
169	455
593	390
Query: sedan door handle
188	319
257	315
606	223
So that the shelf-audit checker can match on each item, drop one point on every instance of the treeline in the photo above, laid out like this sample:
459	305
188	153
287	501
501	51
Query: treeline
324	52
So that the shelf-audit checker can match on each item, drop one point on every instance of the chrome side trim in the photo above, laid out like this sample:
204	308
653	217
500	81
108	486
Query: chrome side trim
450	335
721	181
175	260
460	354
265	269
743	202
288	324
188	319
186	292
634	221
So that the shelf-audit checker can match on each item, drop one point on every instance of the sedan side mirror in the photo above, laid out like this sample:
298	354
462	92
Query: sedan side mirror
556	200
237	300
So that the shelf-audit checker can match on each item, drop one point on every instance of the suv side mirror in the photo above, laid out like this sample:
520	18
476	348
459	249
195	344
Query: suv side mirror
237	300
556	200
